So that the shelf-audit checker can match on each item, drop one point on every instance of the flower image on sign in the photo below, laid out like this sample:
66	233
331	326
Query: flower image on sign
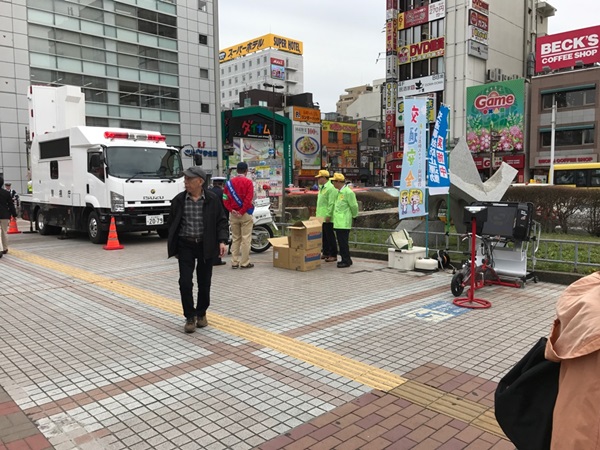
495	116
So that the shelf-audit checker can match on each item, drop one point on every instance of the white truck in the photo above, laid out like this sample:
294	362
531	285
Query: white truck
82	176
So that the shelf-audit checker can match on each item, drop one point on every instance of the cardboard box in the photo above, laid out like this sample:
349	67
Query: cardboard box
281	252
306	235
404	259
304	261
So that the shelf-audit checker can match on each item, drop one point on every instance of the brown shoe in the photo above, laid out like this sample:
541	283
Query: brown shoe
249	266
201	321
190	325
324	256
331	259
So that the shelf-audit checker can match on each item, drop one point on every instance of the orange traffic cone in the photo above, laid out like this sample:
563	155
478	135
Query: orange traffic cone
113	239
12	226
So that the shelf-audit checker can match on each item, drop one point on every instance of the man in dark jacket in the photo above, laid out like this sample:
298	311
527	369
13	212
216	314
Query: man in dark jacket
198	234
217	188
7	210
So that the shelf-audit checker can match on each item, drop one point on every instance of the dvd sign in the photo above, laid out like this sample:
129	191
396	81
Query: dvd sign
422	50
561	50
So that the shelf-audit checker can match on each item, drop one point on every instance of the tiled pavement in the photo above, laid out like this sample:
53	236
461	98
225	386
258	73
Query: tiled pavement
92	354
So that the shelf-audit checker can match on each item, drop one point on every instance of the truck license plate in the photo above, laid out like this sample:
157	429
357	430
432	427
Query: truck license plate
155	220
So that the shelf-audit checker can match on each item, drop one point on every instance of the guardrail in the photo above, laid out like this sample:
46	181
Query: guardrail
552	254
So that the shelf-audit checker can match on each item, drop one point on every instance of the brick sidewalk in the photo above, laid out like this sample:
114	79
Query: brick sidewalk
379	361
17	431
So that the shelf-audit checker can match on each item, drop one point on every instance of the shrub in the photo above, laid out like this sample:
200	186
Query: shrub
555	205
370	200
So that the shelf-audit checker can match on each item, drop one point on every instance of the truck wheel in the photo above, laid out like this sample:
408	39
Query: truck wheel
96	235
260	238
163	233
41	223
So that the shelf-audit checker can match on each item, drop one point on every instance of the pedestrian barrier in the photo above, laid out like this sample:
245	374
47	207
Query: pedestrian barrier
113	239
12	227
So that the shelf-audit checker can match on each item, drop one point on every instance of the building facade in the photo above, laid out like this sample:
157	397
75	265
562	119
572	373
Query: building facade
575	94
270	59
149	64
439	48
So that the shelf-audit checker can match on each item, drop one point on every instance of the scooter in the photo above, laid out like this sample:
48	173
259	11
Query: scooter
264	225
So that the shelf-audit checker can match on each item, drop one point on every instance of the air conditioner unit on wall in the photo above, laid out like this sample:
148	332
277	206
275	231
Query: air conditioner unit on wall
495	74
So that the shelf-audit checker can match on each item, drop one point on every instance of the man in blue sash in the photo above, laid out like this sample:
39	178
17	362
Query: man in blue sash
237	198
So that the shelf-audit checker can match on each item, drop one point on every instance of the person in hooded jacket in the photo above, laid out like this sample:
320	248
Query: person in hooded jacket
575	343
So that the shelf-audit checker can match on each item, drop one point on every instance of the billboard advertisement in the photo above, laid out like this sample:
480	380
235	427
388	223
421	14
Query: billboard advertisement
561	50
306	144
495	116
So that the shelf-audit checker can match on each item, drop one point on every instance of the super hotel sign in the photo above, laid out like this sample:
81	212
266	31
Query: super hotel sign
267	41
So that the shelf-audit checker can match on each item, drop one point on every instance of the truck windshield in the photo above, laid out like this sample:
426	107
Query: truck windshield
143	162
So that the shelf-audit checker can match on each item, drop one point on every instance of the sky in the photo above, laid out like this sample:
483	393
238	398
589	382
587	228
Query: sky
344	42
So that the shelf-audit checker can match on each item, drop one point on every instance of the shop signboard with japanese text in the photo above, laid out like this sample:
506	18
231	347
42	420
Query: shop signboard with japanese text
302	114
558	51
416	16
495	116
267	41
423	85
480	6
430	48
478	20
478	35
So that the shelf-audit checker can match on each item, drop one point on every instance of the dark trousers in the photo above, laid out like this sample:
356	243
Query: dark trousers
191	256
329	243
343	236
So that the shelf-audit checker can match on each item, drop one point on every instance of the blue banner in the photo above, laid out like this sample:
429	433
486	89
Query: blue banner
413	178
437	160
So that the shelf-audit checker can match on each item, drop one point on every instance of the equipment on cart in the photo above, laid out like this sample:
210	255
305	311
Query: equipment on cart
499	246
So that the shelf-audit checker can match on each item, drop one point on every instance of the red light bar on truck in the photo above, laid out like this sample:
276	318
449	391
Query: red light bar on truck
134	136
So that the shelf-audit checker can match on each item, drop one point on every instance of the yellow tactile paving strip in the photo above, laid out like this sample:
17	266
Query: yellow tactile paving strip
431	398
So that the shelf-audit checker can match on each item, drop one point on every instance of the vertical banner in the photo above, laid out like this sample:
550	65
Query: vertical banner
413	178
437	160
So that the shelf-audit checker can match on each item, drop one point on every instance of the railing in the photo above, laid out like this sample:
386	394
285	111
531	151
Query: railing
552	254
